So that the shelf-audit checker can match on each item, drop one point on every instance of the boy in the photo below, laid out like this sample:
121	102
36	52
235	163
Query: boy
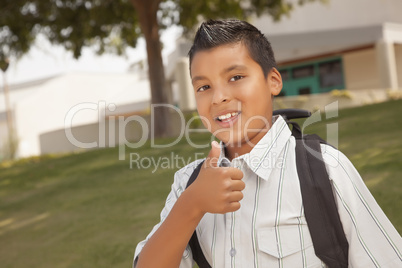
246	203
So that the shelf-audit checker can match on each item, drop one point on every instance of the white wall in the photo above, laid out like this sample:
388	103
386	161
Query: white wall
360	69
336	14
398	59
46	110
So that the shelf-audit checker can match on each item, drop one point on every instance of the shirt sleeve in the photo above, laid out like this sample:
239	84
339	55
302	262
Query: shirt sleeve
179	185
373	240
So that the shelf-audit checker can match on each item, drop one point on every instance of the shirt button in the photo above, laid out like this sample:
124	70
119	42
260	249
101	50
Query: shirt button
232	252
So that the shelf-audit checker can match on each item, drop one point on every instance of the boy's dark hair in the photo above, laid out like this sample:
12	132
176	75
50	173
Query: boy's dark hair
214	33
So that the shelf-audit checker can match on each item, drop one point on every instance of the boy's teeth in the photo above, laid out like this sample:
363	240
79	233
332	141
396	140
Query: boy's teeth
227	116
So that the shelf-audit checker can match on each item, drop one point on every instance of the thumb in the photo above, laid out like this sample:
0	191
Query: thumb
213	155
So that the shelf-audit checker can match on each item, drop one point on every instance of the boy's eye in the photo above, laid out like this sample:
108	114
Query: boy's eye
203	88
235	78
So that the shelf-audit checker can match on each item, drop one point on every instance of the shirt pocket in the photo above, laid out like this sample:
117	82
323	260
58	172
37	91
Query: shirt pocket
290	243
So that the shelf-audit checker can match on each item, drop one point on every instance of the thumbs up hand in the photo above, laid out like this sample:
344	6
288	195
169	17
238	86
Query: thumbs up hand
213	156
217	189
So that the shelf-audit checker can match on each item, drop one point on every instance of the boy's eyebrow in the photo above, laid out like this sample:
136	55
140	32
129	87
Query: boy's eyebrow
196	78
226	70
234	67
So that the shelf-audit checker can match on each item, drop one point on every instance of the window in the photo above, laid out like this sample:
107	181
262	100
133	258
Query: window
312	77
330	74
304	91
303	71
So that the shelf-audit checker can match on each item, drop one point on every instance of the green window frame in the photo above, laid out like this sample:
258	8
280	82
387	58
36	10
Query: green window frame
312	77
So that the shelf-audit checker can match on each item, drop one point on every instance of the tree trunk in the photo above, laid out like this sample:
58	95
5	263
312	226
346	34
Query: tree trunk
147	13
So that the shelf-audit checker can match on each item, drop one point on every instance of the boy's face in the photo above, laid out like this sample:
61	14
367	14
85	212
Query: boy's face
233	97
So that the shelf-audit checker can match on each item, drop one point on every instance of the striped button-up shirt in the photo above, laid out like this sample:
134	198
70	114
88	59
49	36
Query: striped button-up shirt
270	229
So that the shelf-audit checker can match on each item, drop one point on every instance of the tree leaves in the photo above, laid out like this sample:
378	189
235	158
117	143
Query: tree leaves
108	26
112	25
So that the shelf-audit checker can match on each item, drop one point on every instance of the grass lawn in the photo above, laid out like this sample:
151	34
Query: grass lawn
91	209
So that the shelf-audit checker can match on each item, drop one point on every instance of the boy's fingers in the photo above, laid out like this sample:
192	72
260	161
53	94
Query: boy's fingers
238	185
236	196
213	155
235	173
233	206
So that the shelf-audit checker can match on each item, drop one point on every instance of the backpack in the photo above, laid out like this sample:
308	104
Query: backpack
329	240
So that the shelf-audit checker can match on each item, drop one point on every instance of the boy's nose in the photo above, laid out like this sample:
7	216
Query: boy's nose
221	95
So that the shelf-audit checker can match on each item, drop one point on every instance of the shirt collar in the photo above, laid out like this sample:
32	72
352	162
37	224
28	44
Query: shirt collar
263	157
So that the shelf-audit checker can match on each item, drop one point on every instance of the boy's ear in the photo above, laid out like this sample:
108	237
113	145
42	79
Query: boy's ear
275	81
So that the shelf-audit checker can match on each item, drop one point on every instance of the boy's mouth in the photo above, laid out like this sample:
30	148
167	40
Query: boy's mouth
226	116
227	119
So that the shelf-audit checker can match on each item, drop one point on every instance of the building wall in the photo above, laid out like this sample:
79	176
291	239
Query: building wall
398	59
336	14
134	130
80	97
360	69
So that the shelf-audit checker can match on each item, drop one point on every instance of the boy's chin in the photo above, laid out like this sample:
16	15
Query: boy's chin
231	140
235	139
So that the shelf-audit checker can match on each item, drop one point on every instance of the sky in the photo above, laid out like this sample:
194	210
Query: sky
44	59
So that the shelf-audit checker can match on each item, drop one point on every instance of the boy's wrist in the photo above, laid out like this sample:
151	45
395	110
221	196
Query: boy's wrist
190	206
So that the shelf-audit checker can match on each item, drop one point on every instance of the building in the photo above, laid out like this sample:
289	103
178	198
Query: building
354	45
47	110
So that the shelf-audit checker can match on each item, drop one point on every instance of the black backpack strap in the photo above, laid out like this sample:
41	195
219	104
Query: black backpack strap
194	175
289	114
194	244
329	240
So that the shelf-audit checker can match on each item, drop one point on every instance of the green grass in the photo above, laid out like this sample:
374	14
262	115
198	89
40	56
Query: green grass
90	209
